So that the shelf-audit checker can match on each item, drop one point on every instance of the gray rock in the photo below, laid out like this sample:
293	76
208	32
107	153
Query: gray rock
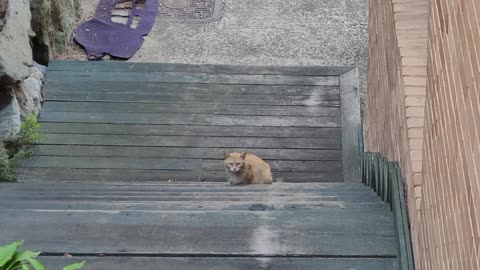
3	13
32	91
39	67
10	121
37	74
27	99
15	50
53	22
38	71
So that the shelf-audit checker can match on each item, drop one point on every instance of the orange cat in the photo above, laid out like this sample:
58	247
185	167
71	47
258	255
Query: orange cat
243	168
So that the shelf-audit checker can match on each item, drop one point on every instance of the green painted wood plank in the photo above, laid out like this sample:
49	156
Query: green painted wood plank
168	164
397	213
192	141
177	88
135	176
285	166
62	204
112	163
283	121
318	188
189	263
401	221
126	140
188	130
185	119
56	65
348	222
273	191
99	175
290	177
174	152
154	198
127	118
297	232
188	77
192	108
277	100
285	143
192	195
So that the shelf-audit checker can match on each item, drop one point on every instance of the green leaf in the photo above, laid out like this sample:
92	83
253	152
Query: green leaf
25	267
7	252
14	265
23	255
19	258
74	266
35	264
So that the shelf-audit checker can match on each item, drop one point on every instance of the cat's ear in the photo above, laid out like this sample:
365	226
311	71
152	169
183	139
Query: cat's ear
225	155
243	155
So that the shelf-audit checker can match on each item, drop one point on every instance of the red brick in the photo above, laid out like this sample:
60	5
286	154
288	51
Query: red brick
415	90
415	101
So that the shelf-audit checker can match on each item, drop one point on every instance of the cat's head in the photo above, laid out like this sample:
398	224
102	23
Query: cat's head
234	162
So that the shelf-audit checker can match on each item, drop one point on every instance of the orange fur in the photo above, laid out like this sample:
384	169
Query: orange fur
243	168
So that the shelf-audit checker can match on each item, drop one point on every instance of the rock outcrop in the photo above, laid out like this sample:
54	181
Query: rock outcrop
10	120
15	50
19	100
53	22
3	13
21	78
15	61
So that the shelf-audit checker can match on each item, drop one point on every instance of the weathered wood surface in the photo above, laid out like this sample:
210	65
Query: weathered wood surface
225	263
147	122
190	77
94	175
182	99
172	152
198	89
194	119
188	130
289	220
117	179
193	108
86	66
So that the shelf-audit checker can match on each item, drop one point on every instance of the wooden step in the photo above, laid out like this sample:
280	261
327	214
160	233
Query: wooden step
224	263
115	121
328	220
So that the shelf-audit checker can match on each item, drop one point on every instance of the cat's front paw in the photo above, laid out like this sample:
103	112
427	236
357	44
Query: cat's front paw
234	182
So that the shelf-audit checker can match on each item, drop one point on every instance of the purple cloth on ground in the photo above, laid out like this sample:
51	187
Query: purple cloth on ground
100	35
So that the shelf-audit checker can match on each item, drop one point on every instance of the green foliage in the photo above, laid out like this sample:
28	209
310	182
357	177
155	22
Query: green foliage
13	259
29	131
13	152
7	170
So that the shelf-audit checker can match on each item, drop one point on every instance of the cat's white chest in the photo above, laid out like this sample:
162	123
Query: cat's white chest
232	178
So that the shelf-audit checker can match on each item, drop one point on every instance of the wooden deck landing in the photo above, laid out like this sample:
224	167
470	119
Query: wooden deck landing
128	174
201	226
115	121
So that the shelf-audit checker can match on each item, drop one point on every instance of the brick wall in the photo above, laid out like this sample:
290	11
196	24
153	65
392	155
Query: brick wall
394	115
450	216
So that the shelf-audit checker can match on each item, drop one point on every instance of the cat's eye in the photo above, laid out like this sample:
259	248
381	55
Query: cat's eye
238	163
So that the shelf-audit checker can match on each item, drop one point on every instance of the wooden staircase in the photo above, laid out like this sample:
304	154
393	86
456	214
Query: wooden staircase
110	121
130	176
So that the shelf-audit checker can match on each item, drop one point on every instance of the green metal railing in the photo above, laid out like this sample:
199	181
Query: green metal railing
385	178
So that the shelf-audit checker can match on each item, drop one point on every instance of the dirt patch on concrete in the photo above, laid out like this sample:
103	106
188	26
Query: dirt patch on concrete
75	51
3	12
